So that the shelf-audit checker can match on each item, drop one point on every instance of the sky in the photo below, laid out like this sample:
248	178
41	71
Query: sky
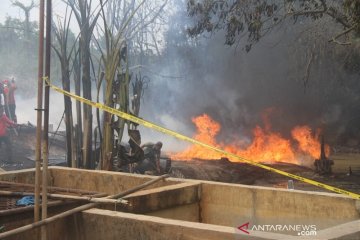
7	9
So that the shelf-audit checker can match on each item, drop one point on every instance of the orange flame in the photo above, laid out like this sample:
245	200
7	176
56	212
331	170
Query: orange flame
266	146
207	129
307	143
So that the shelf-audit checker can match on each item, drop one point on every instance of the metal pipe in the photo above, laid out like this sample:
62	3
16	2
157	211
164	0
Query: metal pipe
46	118
39	112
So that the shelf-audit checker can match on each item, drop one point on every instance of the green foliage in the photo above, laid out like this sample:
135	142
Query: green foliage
352	9
254	18
235	17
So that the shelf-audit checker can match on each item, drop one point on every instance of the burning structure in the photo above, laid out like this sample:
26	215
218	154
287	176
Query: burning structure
266	146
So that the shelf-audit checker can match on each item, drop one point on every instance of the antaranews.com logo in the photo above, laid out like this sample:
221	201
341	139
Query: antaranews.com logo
299	229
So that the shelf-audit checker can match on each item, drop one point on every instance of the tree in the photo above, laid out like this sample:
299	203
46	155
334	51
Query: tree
115	51
123	21
27	10
62	33
254	19
78	127
82	10
18	53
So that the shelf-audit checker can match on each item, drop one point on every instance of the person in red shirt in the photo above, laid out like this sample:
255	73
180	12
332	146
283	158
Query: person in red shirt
9	98
2	96
5	122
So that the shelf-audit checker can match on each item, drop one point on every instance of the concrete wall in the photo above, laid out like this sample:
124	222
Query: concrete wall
179	201
188	212
90	180
104	224
218	207
347	231
21	176
233	205
165	197
63	229
102	181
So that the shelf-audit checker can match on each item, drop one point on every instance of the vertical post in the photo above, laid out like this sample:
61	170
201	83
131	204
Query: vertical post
39	112
46	118
322	148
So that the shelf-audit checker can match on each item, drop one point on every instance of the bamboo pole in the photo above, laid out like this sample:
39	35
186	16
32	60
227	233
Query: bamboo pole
60	189
77	209
39	112
27	208
137	188
69	197
46	118
50	204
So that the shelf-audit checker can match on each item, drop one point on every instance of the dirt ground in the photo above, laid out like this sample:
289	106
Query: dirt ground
344	161
225	171
23	150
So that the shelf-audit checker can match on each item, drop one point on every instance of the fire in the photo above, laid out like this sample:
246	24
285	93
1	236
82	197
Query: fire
207	129
266	146
307	143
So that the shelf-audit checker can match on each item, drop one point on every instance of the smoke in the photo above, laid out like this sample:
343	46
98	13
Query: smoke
199	76
25	110
235	87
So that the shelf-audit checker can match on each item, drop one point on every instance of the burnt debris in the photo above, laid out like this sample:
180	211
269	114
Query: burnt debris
323	164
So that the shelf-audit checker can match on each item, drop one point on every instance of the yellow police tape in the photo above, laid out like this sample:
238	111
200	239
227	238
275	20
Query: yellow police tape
188	139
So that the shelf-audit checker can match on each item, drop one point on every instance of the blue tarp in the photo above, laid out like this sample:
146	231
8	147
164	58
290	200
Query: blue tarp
25	201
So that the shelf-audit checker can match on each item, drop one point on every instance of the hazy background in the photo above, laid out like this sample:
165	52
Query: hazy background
192	77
